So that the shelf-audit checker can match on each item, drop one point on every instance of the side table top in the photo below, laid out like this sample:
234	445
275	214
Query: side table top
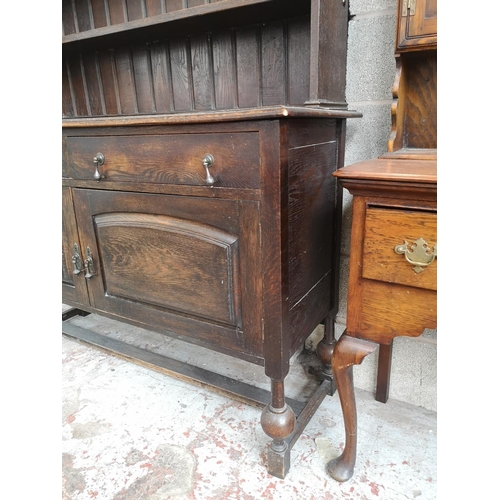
391	170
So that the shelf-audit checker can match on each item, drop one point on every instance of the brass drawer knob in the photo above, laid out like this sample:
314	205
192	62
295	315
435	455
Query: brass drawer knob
418	254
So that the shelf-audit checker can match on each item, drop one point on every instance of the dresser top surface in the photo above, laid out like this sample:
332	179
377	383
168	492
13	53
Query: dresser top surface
391	170
261	113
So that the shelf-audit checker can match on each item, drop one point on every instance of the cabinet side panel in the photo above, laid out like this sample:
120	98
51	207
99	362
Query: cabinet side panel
312	201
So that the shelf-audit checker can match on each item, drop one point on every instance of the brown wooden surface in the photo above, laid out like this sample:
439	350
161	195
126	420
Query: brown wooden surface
91	15
146	269
133	156
188	217
377	310
349	351
384	229
384	372
237	54
391	170
394	198
417	31
74	287
414	108
250	265
386	298
258	113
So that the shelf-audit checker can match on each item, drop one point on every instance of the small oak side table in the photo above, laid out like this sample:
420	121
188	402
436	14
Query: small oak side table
392	271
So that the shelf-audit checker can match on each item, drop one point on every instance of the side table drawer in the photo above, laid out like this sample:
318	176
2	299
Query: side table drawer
411	230
167	159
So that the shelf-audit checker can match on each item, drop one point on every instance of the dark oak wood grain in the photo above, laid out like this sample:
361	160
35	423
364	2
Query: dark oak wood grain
239	255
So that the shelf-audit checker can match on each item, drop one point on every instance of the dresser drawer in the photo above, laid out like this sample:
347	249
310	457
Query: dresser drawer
167	159
386	229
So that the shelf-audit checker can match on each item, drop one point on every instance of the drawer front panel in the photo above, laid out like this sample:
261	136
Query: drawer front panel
168	159
387	228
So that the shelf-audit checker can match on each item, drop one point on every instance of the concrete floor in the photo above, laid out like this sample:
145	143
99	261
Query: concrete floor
131	433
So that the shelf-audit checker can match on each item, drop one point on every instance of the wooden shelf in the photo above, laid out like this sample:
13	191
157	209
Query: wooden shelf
204	17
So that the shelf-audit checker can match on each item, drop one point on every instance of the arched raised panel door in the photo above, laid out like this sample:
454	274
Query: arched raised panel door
165	259
171	263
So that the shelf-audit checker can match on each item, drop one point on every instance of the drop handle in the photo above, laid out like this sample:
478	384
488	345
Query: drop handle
207	162
76	260
419	253
98	161
89	265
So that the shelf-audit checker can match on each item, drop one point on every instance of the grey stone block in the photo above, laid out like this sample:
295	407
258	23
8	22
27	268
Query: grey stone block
367	137
364	6
370	58
343	285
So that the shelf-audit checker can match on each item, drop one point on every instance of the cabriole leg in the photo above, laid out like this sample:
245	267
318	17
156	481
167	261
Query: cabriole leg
348	352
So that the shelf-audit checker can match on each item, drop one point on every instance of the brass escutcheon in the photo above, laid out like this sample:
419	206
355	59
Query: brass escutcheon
418	254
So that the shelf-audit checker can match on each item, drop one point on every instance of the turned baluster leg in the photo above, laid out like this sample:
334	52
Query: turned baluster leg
278	422
349	351
324	349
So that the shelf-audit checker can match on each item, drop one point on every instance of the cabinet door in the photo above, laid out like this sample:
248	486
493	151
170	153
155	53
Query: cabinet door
74	287
173	262
417	24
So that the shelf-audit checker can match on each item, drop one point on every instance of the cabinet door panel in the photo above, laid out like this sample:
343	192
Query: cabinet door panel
173	263
417	25
74	287
160	261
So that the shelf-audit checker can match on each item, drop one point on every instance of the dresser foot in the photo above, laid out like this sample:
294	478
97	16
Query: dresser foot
278	422
278	461
349	351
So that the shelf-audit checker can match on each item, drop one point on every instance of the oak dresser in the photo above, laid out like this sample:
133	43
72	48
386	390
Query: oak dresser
198	143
